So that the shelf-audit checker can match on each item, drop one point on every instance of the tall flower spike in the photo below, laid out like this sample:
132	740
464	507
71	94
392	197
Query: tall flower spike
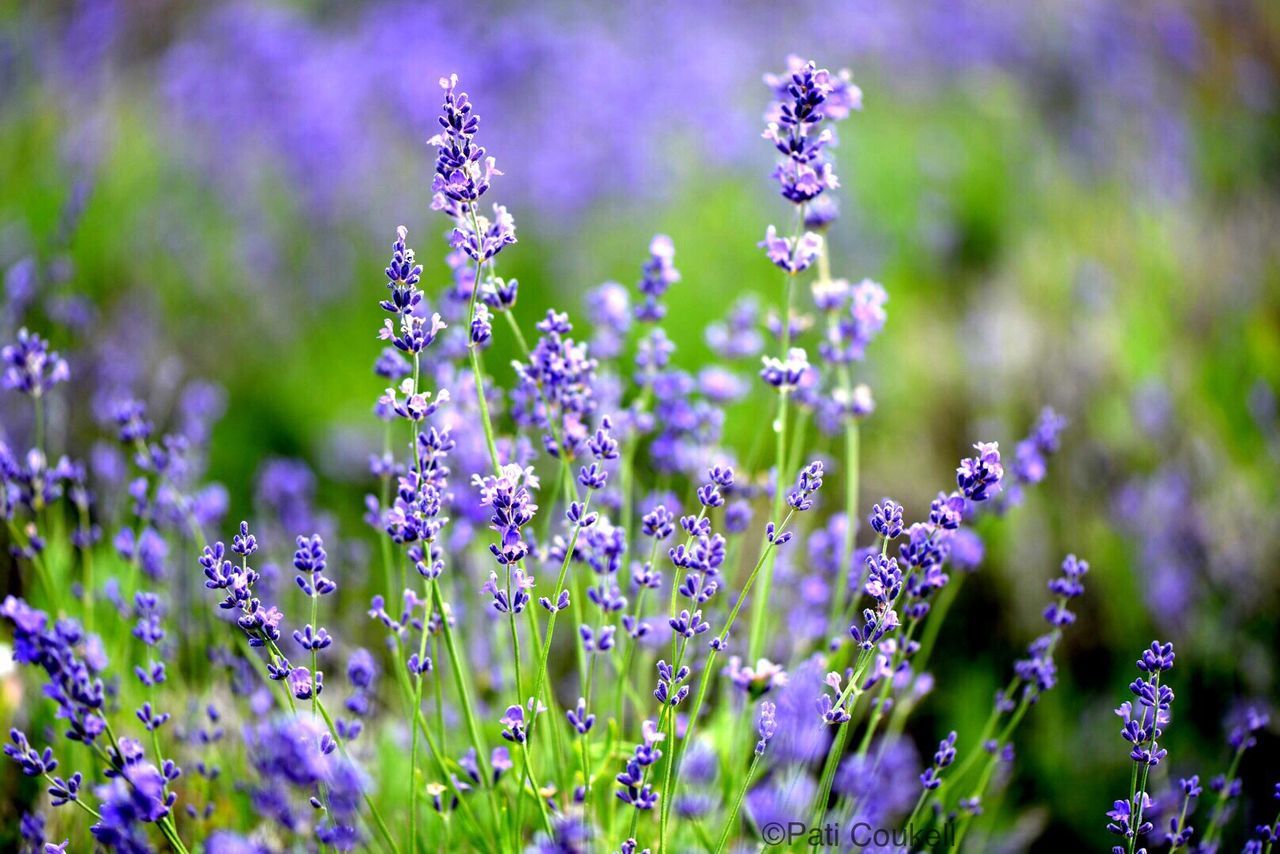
807	96
1143	728
463	173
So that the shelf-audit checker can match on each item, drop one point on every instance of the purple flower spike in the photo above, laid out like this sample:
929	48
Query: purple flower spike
806	97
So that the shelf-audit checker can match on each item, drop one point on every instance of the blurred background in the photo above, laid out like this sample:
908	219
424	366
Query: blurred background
1070	204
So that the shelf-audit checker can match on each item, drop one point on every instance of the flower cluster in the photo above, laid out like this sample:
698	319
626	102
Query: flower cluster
260	623
72	662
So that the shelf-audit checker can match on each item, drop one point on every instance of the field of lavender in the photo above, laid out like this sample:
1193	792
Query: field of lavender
664	427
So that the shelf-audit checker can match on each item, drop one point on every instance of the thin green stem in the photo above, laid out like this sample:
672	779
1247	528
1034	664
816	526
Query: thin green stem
629	658
86	558
456	665
81	804
937	614
737	805
1182	818
1216	816
417	706
541	676
759	608
915	811
403	680
42	570
38	405
992	761
477	371
586	746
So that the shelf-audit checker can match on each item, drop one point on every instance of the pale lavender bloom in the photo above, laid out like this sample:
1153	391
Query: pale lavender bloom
793	255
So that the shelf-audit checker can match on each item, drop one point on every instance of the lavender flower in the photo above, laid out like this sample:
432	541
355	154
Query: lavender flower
766	726
513	725
579	718
758	680
808	483
556	387
659	275
310	559
30	367
785	375
74	682
508	496
260	623
463	172
632	788
979	477
803	172
32	762
942	758
791	254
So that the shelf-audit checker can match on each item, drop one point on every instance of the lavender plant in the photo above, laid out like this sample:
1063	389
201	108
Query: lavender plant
586	482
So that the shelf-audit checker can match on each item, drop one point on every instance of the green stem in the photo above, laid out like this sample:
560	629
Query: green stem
1182	818
915	811
937	614
417	706
586	746
759	608
42	570
737	805
86	557
629	658
403	681
1216	817
840	600
477	372
541	676
468	710
315	685
992	761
